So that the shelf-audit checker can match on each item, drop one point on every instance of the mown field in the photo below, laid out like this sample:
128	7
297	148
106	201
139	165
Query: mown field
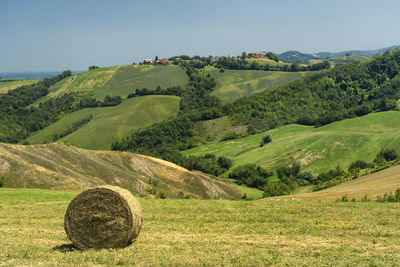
110	123
317	149
11	85
208	233
365	187
128	78
233	84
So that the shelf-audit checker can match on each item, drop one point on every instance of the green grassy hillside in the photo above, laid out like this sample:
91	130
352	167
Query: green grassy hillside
207	233
128	78
56	166
119	80
84	83
110	123
317	149
11	85
233	84
342	59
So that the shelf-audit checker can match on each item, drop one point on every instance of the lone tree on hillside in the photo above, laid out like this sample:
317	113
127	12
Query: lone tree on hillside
266	139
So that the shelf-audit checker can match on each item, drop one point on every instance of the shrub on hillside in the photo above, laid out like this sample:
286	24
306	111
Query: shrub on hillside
111	101
266	139
386	154
276	189
359	164
233	135
250	175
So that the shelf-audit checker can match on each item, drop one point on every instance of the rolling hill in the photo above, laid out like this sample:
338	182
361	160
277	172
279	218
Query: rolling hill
7	85
110	123
370	186
290	56
128	78
118	80
341	59
233	84
66	167
317	149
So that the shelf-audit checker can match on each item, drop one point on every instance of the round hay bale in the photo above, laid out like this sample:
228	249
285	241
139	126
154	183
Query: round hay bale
103	217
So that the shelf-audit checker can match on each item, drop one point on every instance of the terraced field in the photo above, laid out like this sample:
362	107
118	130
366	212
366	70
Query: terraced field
317	149
110	123
11	85
233	84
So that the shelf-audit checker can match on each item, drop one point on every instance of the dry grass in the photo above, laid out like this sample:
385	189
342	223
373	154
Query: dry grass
372	185
59	166
208	233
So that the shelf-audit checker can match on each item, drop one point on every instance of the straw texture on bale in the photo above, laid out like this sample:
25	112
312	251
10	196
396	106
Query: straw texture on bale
103	217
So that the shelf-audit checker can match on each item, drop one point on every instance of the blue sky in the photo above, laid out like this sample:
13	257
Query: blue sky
44	35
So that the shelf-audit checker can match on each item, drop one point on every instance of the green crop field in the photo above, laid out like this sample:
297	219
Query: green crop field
207	233
317	149
7	86
128	78
84	83
233	84
342	59
111	123
265	61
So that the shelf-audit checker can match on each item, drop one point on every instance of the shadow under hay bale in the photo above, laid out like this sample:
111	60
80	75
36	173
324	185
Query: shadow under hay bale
103	217
65	248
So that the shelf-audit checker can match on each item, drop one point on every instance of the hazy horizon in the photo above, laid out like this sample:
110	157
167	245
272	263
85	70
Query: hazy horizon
47	35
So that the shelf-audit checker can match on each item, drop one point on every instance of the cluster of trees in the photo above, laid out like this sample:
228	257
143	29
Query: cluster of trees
108	101
208	163
174	90
233	135
197	96
93	67
72	128
243	64
272	56
281	182
251	175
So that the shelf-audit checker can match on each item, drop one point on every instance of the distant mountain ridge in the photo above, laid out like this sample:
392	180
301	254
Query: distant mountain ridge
291	56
